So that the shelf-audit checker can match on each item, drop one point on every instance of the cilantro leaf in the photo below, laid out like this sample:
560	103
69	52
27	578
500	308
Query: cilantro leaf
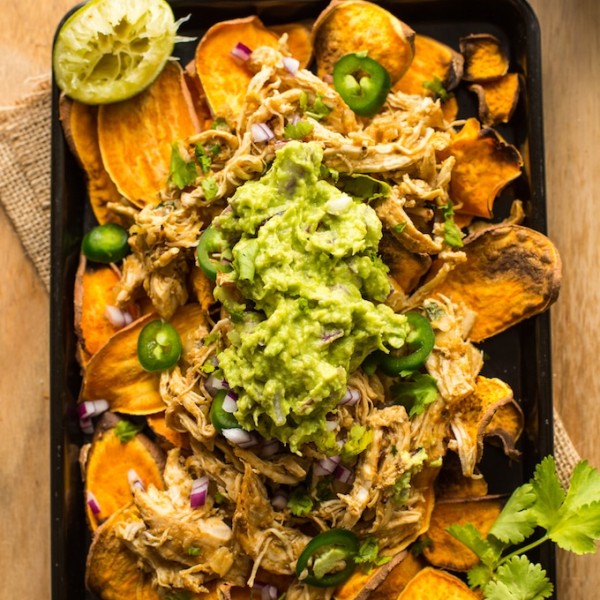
437	88
452	234
516	521
368	554
519	579
182	171
298	130
202	158
584	486
126	430
415	395
549	493
488	552
364	187
578	531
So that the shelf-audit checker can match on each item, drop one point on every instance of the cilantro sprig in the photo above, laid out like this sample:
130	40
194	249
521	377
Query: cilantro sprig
570	519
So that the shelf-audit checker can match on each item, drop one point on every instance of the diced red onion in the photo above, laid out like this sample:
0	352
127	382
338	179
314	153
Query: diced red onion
326	466
213	384
240	437
134	480
270	448
86	425
230	402
92	408
343	474
291	64
117	317
261	132
199	492
279	500
241	51
267	592
351	397
93	503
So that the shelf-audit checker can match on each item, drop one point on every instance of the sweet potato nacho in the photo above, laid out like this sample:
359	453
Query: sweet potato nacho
281	379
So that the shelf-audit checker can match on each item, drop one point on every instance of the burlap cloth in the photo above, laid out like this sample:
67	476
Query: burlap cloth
25	142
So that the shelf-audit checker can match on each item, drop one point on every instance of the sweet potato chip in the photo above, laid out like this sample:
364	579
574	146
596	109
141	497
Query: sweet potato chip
406	267
80	125
112	571
497	99
398	577
355	26
485	59
94	291
108	464
450	109
299	41
430	584
362	583
202	287
452	484
177	439
511	273
444	550
136	135
471	416
197	95
506	426
224	78
485	164
114	373
432	60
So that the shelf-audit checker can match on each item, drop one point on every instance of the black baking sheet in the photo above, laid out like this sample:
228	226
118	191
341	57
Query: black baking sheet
521	356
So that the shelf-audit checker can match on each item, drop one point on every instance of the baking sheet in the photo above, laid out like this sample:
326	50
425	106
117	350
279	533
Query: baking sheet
520	356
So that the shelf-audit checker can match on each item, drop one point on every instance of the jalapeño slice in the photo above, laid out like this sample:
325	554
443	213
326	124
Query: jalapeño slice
106	243
362	83
159	346
210	250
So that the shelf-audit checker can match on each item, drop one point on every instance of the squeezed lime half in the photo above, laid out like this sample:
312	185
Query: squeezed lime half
110	50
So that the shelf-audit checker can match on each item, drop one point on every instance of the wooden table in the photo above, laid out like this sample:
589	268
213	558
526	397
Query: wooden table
571	79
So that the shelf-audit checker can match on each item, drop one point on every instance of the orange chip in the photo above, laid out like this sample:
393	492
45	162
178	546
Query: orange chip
430	584
497	99
299	41
485	59
136	135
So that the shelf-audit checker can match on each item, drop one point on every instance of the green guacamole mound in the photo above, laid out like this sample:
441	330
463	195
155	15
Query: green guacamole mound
305	260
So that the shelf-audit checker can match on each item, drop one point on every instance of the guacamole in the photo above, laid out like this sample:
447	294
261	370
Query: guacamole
305	261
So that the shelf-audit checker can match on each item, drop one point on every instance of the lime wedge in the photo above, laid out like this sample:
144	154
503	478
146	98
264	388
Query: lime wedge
110	50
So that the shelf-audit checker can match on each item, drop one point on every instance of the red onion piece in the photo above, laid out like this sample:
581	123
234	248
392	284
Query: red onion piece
93	503
261	132
240	437
267	592
343	474
326	466
291	64
241	51
351	397
279	500
86	425
134	480
270	448
117	317
199	492
213	384
230	403
92	408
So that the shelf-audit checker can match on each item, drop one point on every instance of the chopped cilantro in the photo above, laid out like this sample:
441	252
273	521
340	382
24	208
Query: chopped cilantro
220	124
571	519
297	131
318	110
182	171
194	551
214	149
324	489
400	489
434	310
210	188
219	498
299	502
126	430
415	395
368	554
419	546
437	88
364	187
398	227
208	368
452	235
202	158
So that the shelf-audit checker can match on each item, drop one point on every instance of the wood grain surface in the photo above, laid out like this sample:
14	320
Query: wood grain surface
571	85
